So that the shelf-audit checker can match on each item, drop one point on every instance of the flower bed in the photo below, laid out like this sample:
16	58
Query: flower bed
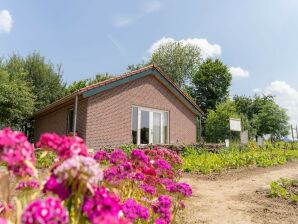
138	187
232	158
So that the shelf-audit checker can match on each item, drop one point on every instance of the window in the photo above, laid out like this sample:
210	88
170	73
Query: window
149	126
70	120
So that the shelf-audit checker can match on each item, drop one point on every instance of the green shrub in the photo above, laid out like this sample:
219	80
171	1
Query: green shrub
277	190
285	188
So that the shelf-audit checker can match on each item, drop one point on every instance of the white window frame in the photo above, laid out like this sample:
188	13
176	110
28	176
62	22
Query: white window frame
151	110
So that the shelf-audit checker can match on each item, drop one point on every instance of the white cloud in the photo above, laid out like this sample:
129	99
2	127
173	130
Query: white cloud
146	8
161	41
5	21
286	96
238	72
207	49
151	6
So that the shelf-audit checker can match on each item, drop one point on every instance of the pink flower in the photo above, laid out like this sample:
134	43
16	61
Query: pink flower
45	211
137	176
132	210
101	155
17	152
2	221
49	140
165	181
118	156
27	185
162	207
52	185
79	169
182	188
148	189
100	204
182	205
139	157
162	164
109	219
160	221
5	208
65	146
117	173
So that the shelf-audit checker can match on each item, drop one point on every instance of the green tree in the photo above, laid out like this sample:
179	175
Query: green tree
258	109
250	106
16	100
43	78
217	121
271	119
134	67
211	84
77	85
179	61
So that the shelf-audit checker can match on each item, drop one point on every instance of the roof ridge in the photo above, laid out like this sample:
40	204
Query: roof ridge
123	75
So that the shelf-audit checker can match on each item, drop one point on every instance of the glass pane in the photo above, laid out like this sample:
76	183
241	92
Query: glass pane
144	127
156	128
134	124
165	128
70	121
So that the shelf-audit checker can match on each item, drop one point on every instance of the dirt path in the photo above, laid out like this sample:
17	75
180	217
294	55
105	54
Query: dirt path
233	197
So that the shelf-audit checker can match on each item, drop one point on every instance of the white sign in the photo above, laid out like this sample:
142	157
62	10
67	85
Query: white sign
235	124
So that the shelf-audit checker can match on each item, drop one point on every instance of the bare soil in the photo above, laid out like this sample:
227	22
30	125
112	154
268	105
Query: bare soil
240	196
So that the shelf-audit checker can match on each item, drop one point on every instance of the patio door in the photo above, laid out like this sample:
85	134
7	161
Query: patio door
149	126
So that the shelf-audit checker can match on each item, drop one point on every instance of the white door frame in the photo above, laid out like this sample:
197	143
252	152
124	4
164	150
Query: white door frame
150	110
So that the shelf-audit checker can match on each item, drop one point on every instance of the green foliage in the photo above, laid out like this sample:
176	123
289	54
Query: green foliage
272	119
251	106
16	100
285	188
179	61
127	148
77	85
294	198
211	84
27	84
278	190
44	79
134	67
217	122
44	159
263	114
232	158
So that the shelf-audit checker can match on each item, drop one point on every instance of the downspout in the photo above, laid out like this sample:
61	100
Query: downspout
75	115
200	124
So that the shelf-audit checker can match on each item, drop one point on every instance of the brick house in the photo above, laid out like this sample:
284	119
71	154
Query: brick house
140	107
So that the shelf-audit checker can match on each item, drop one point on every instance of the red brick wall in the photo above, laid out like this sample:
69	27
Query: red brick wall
109	113
56	120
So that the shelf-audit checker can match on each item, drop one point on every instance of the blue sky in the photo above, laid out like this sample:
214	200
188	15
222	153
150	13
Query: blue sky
258	39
